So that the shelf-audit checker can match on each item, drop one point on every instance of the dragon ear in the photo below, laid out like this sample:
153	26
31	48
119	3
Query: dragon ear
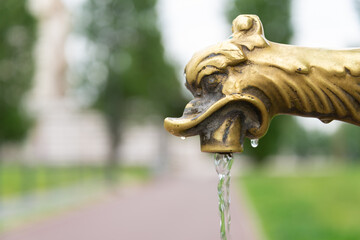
248	31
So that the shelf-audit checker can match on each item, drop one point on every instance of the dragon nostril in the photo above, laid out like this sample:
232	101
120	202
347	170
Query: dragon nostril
198	92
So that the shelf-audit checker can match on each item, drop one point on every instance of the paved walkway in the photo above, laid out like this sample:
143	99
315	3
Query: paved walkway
170	209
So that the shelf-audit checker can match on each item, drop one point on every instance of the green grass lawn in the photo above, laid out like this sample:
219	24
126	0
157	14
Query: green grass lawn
18	179
323	206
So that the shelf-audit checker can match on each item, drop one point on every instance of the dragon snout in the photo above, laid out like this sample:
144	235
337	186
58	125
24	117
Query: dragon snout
222	125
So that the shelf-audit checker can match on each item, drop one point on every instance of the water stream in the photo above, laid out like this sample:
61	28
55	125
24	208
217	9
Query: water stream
223	163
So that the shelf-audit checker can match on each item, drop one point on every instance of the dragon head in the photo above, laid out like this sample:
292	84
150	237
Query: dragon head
221	112
241	83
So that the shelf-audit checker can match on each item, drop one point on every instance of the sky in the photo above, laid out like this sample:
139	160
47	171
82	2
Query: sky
326	23
191	25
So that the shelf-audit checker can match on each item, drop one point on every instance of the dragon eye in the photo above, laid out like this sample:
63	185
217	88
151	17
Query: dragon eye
211	79
210	82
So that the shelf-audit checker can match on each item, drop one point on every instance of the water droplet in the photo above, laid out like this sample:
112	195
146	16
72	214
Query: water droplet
325	120
183	138
254	143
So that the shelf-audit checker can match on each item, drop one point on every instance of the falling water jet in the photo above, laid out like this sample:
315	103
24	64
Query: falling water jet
223	163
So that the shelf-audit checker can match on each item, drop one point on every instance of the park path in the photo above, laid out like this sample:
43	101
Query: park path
165	209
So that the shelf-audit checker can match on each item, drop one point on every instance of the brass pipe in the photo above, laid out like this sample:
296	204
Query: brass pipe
240	84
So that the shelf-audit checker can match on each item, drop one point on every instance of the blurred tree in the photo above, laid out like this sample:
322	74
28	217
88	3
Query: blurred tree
304	143
129	56
17	36
346	142
275	16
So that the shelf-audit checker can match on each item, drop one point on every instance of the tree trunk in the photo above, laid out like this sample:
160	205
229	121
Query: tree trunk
112	162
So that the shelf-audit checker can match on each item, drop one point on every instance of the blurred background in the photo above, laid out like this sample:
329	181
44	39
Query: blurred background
84	88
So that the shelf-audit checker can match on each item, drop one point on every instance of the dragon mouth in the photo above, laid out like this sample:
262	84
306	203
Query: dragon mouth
184	126
222	125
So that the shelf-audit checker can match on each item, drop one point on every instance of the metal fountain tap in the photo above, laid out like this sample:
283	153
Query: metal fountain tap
240	84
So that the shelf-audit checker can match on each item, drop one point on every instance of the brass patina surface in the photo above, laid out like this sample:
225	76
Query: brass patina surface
240	84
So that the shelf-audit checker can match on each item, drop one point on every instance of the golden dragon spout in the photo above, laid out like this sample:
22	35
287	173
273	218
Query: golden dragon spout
240	84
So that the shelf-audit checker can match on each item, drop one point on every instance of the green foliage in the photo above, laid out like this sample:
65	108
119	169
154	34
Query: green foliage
17	36
18	179
346	142
128	46
286	136
308	206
